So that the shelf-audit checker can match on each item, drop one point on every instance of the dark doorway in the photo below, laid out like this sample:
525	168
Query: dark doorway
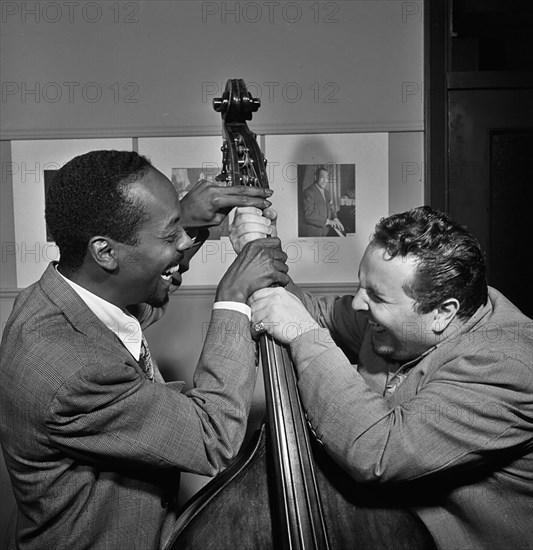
479	132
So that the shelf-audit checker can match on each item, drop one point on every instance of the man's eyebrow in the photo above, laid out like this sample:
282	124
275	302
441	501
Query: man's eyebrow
375	290
172	223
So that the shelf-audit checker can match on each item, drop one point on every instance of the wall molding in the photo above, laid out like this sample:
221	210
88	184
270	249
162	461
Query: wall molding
211	130
319	289
208	291
9	293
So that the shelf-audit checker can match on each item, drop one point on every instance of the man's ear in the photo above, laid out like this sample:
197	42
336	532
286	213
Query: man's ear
444	314
104	252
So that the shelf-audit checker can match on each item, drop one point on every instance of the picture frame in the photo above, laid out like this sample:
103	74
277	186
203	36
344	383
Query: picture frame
311	259
328	259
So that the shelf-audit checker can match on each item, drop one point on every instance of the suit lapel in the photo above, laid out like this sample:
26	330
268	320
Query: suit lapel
70	303
79	315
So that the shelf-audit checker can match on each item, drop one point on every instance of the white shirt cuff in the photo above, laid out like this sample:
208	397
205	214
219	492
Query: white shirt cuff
235	306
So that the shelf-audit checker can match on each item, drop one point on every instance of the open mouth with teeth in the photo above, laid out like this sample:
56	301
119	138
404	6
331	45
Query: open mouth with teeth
167	275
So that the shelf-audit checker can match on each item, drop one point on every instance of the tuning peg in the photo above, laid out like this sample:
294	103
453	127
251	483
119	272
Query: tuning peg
220	104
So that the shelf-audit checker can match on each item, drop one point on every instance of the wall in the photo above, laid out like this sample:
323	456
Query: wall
131	69
7	226
152	67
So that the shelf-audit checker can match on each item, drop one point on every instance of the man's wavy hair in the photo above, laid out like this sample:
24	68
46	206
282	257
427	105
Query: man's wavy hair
450	262
320	168
88	197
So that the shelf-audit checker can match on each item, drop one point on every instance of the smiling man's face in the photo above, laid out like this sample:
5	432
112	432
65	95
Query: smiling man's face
398	331
148	269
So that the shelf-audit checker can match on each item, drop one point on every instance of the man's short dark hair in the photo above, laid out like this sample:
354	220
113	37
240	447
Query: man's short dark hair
88	197
320	168
450	262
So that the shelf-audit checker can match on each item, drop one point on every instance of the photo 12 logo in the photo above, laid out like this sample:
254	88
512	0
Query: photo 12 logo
270	12
27	172
412	12
288	92
69	92
71	12
29	252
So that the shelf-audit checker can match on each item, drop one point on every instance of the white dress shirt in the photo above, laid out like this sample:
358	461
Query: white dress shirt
124	325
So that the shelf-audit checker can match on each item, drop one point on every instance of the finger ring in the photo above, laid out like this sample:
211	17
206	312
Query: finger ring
259	327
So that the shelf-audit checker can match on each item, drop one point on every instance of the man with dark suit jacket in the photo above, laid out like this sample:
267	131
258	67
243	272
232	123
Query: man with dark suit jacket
92	436
319	214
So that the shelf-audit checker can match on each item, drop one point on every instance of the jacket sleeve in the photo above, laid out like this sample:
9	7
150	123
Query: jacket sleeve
474	410
107	411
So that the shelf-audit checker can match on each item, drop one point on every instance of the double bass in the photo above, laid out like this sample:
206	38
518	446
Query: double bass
283	491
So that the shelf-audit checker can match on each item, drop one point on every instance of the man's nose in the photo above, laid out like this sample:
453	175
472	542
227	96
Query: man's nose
359	301
184	242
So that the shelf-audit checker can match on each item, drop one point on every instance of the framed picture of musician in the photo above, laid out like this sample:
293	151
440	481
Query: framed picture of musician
330	190
326	200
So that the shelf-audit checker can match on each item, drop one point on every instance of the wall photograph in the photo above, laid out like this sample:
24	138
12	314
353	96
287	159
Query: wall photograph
350	196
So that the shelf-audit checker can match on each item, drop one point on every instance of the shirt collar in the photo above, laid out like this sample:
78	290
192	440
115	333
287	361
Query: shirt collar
125	326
